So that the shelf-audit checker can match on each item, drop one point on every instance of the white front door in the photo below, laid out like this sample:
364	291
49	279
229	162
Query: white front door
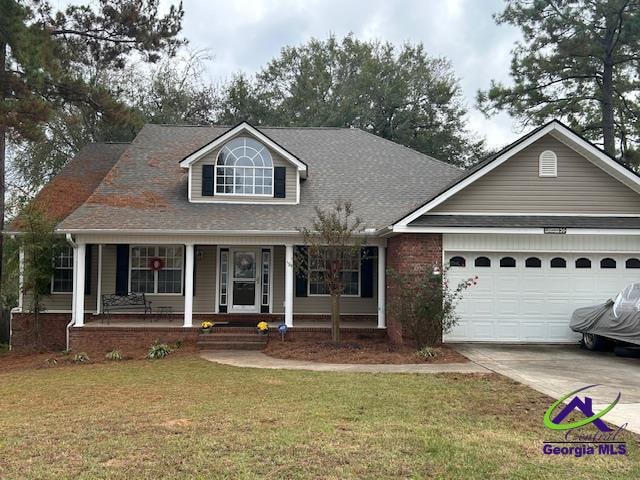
245	278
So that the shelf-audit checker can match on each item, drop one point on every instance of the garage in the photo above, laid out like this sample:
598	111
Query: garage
529	296
548	224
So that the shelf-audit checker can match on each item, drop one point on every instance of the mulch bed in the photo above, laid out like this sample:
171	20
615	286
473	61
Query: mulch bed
25	361
357	352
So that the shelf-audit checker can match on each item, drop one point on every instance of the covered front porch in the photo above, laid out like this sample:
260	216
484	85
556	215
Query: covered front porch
230	281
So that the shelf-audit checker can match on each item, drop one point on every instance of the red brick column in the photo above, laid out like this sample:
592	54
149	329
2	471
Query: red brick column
410	253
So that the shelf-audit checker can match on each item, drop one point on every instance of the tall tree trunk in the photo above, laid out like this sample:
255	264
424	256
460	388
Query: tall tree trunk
335	318
3	153
608	124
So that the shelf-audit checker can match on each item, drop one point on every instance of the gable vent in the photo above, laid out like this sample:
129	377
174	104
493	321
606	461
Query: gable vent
548	164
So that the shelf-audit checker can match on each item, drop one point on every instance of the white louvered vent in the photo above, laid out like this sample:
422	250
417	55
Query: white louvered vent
548	164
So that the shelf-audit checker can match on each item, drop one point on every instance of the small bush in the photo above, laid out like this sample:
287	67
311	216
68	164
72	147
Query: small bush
80	358
158	351
50	362
114	356
426	353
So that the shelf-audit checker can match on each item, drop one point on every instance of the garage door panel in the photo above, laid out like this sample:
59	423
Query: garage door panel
527	304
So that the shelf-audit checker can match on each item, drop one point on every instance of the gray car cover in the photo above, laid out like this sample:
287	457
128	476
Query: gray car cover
601	320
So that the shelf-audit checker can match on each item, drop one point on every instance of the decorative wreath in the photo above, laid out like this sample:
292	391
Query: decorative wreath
156	263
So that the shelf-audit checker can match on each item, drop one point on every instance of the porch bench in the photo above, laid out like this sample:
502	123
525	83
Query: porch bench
122	302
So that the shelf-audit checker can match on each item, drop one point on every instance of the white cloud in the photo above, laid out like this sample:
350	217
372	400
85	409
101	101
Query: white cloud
244	35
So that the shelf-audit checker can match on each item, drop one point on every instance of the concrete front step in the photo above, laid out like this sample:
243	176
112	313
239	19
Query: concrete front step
230	345
230	337
246	339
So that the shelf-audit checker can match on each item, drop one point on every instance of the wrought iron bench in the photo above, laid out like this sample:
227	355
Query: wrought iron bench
129	301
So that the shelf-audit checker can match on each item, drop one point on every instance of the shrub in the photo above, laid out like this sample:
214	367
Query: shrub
158	351
80	358
50	362
114	355
425	304
426	353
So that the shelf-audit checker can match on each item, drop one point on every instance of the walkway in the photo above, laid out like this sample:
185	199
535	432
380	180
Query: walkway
253	359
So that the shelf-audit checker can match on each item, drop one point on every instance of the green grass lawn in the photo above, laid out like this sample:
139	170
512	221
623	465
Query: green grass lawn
184	417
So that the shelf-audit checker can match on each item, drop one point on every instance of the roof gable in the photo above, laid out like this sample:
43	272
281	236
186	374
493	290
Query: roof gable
246	128
557	130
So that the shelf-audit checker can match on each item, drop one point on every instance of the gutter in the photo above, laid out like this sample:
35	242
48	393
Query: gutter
73	297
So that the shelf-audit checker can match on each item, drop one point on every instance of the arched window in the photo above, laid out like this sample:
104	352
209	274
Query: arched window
548	164
533	262
607	263
632	263
482	262
583	263
508	262
244	167
457	262
558	262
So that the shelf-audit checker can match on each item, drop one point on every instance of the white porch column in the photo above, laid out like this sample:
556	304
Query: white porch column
78	288
188	285
382	273
99	282
288	286
21	278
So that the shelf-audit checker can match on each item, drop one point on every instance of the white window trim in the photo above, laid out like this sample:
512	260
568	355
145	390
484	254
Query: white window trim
221	194
309	294
155	274
70	292
541	173
270	284
234	167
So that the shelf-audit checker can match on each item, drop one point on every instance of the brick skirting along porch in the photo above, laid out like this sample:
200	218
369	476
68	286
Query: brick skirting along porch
96	338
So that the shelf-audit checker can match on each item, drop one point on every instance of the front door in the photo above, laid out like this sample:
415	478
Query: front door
244	281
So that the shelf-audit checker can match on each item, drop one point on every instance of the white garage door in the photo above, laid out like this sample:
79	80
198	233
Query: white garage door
533	300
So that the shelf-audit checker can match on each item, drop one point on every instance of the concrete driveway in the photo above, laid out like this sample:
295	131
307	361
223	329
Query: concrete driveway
559	369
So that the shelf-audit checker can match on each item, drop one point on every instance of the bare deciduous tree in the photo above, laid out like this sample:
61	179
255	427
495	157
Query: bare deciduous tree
333	240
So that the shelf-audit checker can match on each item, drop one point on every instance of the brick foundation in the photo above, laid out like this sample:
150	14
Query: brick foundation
134	341
411	254
53	334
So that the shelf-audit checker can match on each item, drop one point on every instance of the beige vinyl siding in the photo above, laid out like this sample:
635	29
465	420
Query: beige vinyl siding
516	187
318	304
62	301
278	161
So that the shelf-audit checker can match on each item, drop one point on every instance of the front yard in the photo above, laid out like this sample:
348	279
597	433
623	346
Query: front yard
184	417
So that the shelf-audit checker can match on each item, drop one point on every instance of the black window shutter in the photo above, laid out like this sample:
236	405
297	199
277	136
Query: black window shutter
208	188
301	262
87	270
368	255
279	182
122	269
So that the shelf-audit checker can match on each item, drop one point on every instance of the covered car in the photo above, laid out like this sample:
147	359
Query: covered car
617	320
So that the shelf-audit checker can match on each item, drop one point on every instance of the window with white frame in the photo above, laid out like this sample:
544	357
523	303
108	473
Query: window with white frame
144	278
244	167
350	275
63	271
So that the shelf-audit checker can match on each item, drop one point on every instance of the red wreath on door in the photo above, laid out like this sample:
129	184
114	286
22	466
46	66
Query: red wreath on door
156	263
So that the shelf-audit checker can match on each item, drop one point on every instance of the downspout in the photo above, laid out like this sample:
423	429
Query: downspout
73	297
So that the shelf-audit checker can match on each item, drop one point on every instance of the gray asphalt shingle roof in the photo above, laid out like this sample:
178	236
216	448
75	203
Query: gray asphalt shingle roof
147	189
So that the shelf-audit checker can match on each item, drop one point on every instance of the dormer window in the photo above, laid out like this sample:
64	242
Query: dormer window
244	167
548	163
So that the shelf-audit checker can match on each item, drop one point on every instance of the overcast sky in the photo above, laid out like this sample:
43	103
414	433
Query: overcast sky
243	35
